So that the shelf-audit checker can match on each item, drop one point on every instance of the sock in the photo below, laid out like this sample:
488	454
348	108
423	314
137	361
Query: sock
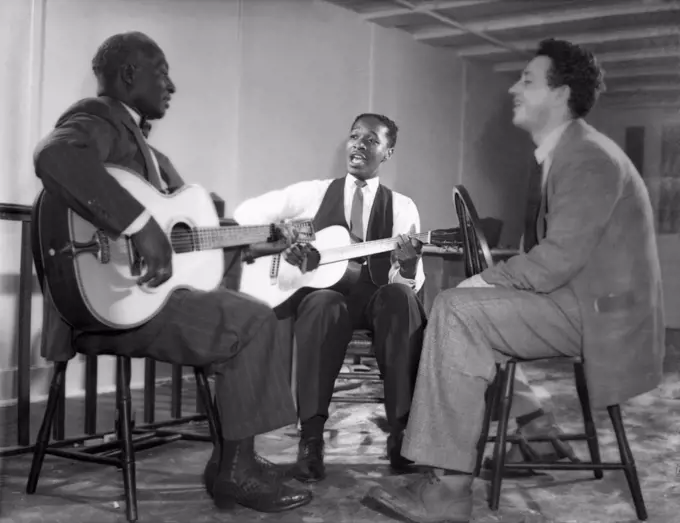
313	427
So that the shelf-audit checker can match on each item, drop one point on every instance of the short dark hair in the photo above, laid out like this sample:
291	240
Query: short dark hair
117	50
392	129
576	68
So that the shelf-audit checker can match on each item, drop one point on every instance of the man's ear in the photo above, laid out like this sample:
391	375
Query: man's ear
128	73
388	154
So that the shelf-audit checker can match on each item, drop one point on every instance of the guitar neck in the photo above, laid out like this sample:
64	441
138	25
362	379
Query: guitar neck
208	238
359	250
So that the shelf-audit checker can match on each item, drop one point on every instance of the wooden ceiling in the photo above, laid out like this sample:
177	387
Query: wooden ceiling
637	42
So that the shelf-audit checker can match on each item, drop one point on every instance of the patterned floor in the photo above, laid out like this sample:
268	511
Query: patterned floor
170	490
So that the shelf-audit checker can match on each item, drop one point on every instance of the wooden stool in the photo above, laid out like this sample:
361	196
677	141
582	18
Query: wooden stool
121	452
500	396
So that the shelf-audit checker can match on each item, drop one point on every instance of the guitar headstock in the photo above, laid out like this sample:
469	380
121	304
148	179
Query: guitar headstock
447	238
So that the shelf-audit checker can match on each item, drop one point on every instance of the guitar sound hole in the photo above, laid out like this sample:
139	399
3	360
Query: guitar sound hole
182	238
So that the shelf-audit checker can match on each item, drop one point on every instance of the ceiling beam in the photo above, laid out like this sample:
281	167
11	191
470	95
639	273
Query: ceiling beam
642	88
613	57
447	20
424	7
545	18
602	37
640	72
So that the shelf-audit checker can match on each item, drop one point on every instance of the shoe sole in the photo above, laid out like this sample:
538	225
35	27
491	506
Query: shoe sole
230	504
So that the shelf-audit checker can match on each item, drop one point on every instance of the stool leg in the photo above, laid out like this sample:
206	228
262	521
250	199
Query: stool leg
124	413
43	439
628	461
588	423
507	386
490	405
203	387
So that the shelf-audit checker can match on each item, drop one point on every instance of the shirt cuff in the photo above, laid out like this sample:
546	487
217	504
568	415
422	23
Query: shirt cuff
138	224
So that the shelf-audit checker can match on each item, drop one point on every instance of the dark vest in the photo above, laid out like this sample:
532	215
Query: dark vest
380	223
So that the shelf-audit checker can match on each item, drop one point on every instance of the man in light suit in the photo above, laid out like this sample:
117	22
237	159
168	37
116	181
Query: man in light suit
229	331
590	286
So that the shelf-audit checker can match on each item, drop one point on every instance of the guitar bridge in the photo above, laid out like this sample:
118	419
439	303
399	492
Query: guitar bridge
98	246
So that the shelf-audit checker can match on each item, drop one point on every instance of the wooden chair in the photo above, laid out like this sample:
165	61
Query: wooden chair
477	257
120	452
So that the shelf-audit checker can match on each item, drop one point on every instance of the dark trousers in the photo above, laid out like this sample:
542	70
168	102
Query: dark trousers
323	325
231	332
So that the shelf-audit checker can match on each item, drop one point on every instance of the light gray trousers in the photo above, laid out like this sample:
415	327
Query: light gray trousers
468	331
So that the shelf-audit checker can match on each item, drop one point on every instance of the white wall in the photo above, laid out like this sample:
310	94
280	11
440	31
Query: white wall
266	94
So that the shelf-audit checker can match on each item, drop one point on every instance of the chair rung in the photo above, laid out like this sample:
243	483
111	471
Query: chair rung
82	456
358	399
511	438
564	466
367	376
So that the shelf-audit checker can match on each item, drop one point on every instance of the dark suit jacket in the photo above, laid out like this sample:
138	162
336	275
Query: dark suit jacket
597	240
70	163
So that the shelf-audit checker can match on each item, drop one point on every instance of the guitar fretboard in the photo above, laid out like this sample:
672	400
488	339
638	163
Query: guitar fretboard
359	250
208	238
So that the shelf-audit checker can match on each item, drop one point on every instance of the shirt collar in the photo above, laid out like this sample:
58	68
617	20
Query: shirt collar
548	145
135	116
371	184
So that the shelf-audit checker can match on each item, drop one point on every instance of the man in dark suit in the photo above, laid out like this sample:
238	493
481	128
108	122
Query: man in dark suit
224	329
588	284
384	300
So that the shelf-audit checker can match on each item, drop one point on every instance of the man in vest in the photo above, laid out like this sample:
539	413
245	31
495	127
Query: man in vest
384	300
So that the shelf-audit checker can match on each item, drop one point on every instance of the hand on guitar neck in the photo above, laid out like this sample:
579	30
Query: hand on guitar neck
407	253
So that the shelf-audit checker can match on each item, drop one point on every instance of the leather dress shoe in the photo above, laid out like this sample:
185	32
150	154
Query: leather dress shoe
426	499
310	467
262	465
257	492
398	462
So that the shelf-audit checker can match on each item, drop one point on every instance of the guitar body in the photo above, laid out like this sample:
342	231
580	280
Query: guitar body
256	277
92	277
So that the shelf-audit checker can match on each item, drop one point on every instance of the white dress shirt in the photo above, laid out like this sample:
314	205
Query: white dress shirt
302	200
544	152
139	222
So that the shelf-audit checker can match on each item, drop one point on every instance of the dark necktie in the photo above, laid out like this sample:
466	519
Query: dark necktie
356	221
534	196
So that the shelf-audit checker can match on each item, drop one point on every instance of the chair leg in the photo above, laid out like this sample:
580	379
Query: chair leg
588	423
124	429
43	438
628	461
491	402
506	387
203	387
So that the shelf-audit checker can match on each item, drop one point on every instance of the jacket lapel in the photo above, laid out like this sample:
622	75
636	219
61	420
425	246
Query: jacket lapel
562	147
151	171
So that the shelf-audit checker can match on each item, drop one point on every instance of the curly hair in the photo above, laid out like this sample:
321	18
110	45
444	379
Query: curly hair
577	68
117	50
392	129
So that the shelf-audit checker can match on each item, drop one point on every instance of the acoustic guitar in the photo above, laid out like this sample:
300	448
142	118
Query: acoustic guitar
92	277
273	280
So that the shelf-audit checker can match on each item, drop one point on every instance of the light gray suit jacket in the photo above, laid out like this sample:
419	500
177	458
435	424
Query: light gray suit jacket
596	238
